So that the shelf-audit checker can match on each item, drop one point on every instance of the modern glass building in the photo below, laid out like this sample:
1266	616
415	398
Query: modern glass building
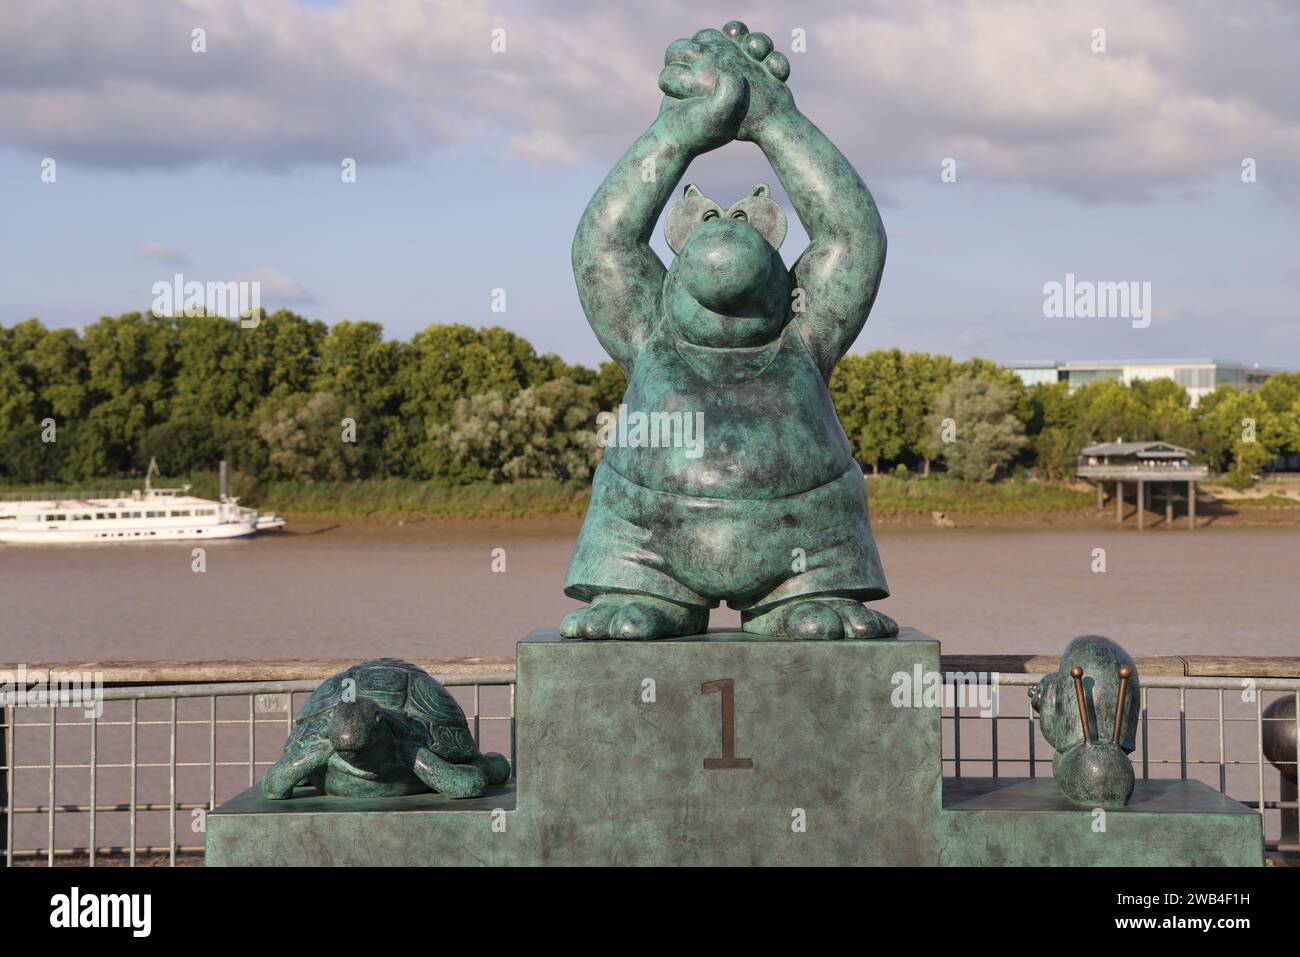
1198	376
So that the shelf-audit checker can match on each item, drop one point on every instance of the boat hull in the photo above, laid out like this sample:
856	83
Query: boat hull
68	536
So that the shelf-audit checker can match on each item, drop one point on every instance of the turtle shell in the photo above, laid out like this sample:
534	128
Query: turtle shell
420	709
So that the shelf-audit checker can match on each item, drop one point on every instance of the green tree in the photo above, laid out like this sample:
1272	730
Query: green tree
130	373
976	413
363	370
1214	423
1240	432
547	431
924	376
182	446
447	363
870	397
1107	410
306	439
1052	430
610	386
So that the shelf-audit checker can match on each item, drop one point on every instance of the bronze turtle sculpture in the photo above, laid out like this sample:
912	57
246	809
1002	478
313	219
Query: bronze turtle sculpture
383	728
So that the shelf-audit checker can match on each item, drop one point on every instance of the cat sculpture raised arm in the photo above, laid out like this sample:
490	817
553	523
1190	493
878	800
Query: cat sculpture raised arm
766	509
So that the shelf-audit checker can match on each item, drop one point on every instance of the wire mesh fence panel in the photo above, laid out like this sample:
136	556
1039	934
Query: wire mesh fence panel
1207	730
132	781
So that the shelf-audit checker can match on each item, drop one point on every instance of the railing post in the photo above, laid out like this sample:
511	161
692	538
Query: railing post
1279	731
4	782
54	711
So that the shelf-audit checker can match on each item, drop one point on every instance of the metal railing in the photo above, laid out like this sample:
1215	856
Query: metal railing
1159	473
61	495
197	768
1171	743
200	744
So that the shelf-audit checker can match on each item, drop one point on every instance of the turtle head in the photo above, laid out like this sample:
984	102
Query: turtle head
355	725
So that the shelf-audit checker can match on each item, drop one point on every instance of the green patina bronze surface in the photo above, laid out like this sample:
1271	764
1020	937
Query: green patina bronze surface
731	748
1091	767
622	759
382	729
766	508
1028	822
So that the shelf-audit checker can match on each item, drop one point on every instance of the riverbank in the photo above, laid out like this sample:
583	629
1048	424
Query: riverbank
894	500
404	498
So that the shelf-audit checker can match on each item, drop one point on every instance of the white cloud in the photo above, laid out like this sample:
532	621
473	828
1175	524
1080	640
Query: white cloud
1010	88
162	252
277	288
544	146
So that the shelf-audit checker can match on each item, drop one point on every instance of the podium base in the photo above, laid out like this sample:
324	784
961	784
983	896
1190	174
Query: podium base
733	749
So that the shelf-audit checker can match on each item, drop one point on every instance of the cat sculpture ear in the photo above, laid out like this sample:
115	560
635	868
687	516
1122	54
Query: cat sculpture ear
689	212
764	214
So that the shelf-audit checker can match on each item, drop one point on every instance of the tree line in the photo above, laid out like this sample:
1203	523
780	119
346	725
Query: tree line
292	398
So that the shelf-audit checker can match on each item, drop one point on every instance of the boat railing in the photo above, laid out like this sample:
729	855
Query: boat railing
86	495
62	495
132	781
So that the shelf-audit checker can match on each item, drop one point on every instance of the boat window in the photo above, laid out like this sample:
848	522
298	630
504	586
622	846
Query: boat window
108	515
182	513
205	511
99	515
155	514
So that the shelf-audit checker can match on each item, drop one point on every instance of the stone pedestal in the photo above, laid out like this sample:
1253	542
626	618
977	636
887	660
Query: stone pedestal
623	753
1028	822
730	749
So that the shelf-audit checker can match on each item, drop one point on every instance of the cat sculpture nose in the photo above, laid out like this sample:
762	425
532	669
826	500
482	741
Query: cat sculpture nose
725	264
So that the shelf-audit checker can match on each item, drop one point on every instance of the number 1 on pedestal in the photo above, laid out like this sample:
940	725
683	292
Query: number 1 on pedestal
727	688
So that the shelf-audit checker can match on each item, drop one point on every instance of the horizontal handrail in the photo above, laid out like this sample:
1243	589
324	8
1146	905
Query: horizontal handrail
224	673
114	797
1161	472
1208	683
248	670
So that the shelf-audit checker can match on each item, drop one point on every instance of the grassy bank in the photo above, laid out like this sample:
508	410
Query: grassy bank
389	497
385	498
380	498
890	494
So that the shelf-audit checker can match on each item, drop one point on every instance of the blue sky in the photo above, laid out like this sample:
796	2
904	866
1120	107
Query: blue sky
474	167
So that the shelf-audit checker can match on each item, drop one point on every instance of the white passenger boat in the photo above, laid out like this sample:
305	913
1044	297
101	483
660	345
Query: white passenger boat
143	515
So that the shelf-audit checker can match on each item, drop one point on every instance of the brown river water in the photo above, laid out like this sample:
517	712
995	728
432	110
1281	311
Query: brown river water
428	589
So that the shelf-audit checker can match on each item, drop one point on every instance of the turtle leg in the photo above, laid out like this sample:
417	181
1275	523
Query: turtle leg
453	780
494	767
284	775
